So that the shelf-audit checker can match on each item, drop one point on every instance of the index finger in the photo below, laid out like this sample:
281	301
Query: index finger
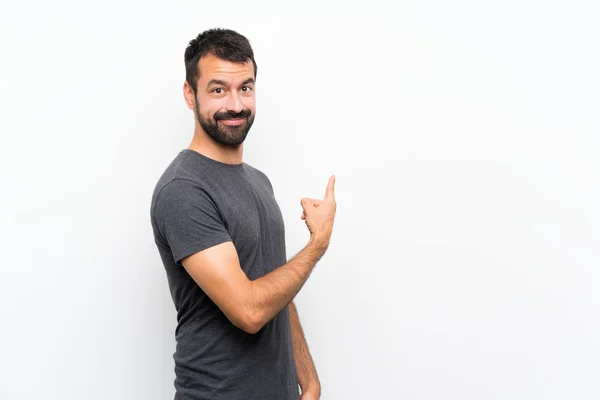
329	193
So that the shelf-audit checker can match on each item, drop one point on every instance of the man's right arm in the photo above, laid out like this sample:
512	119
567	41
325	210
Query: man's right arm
251	304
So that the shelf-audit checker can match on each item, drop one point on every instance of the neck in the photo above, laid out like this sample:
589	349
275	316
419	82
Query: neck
207	146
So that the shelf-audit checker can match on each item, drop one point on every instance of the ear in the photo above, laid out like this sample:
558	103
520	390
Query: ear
189	96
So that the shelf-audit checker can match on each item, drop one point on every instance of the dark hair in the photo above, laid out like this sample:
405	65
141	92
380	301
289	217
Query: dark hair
224	43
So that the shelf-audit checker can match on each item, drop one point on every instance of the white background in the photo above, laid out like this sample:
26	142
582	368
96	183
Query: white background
464	136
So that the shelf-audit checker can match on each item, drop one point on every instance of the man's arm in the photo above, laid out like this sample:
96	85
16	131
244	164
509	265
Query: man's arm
251	304
305	366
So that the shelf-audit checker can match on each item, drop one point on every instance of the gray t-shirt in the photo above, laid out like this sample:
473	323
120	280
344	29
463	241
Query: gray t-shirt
199	202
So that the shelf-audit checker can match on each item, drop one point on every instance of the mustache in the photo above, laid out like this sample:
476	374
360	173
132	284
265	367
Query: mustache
232	115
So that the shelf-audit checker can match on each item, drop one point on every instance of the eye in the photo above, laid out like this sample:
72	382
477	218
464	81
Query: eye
217	90
246	89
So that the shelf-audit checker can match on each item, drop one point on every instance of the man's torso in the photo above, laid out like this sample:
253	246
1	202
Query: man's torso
214	359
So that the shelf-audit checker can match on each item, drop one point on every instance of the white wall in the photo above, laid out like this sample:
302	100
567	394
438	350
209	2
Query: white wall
464	136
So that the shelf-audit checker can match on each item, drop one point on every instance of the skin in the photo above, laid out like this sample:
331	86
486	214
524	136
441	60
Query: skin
225	89
234	96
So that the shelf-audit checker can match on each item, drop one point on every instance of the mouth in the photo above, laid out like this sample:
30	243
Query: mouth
232	122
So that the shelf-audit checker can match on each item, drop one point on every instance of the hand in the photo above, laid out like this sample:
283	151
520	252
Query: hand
319	215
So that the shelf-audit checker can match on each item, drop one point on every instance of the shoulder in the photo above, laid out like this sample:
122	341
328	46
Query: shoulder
179	179
179	193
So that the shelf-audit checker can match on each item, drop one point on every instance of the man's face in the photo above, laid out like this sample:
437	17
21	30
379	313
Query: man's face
225	102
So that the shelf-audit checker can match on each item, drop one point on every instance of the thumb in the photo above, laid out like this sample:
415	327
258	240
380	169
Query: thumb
306	202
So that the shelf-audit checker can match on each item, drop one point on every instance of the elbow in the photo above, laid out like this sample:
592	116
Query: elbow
247	316
250	322
251	329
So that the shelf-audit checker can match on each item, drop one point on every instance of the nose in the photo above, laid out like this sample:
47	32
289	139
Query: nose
234	103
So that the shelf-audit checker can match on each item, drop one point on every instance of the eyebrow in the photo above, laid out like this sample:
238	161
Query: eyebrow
223	83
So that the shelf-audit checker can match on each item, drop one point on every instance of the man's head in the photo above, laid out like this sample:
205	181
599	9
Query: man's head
220	82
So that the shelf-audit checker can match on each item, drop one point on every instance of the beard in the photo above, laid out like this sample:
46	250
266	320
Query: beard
227	135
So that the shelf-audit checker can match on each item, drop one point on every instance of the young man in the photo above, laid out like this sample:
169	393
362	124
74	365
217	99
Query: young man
220	235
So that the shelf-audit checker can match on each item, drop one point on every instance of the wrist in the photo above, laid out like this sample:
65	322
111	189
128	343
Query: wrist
319	242
316	249
313	388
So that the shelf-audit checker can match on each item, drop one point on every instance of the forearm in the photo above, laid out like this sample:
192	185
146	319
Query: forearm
305	366
270	293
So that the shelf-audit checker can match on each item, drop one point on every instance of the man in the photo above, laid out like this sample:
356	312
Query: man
220	235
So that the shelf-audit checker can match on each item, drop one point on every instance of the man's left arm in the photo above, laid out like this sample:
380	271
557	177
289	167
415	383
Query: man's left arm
305	367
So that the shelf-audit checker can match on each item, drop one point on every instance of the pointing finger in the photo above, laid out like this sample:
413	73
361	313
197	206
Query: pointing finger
330	188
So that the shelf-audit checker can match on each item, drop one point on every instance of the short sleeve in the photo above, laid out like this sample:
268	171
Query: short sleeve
188	219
